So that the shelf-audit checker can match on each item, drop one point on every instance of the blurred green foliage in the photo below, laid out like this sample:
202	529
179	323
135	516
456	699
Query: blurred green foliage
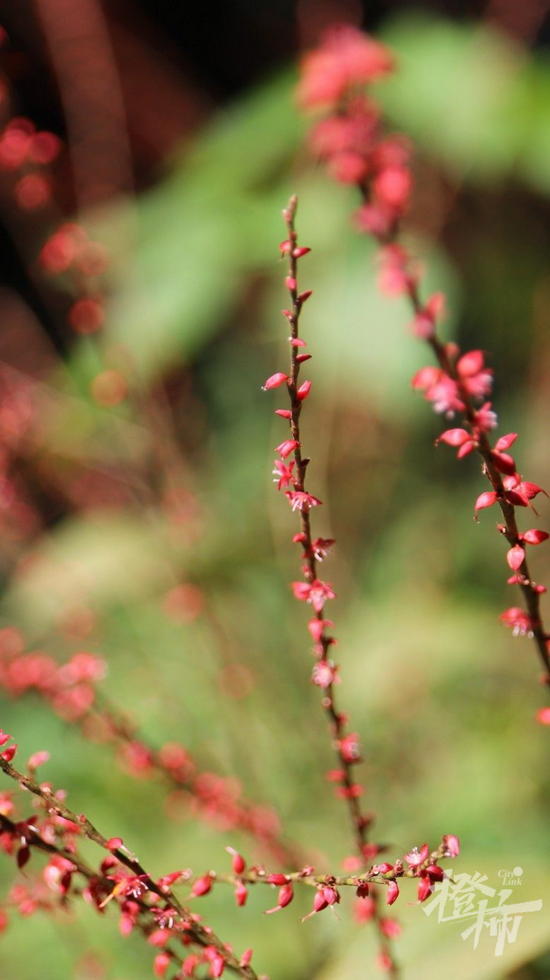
443	698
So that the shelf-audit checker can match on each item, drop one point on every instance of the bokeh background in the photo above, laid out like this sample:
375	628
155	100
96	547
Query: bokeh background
138	516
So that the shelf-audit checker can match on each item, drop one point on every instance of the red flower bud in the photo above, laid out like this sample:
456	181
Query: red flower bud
452	845
471	363
454	437
275	381
238	862
287	447
277	879
505	442
392	893
161	964
241	893
486	499
424	889
434	872
382	869
534	536
515	557
331	895
201	886
303	390
504	463
286	894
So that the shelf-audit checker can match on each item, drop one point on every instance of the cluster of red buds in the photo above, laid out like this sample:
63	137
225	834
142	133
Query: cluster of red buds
351	138
146	905
28	158
290	477
71	690
419	863
25	155
150	906
81	261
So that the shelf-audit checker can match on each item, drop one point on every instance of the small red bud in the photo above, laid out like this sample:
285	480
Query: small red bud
275	381
241	893
287	447
454	437
515	557
382	869
424	889
238	862
434	872
504	463
331	895
505	442
534	536
286	894
486	499
277	879
201	886
392	893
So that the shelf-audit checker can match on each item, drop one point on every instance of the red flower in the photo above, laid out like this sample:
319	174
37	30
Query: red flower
324	673
452	845
350	749
486	419
518	621
345	59
301	500
417	857
283	474
287	447
316	592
